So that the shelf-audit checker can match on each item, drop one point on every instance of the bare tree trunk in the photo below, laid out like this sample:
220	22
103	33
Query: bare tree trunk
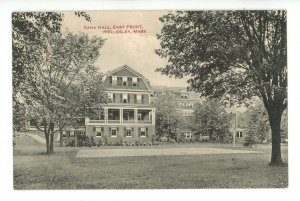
51	128
46	135
275	122
60	138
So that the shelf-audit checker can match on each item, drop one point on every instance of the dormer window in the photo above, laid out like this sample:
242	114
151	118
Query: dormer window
124	81
129	81
119	81
114	80
134	81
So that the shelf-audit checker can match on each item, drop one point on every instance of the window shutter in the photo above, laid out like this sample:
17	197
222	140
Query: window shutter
146	131
124	131
135	99
102	129
132	132
94	129
129	98
109	131
139	133
142	99
114	98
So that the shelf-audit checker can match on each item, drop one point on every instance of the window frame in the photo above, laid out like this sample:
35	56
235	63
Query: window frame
143	130
128	130
116	132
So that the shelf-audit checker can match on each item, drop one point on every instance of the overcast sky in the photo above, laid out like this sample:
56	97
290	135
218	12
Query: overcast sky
135	50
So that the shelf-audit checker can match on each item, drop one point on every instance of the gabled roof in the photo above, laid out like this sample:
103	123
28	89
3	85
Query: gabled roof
145	80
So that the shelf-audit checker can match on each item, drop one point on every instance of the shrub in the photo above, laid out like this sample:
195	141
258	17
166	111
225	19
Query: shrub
70	143
172	141
164	139
99	143
92	142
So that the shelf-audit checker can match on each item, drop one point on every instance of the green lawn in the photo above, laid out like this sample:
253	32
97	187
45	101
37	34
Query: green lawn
35	170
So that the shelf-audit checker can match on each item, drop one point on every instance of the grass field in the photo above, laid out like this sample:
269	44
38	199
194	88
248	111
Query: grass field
33	169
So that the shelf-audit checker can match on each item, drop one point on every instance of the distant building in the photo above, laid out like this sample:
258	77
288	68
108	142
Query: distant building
186	99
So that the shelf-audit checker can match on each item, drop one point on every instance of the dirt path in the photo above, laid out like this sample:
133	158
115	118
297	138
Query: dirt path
157	152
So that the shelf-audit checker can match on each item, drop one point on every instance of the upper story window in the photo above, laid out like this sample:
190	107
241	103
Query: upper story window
125	98
139	98
129	81
187	113
185	95
113	80
119	81
110	97
124	79
134	81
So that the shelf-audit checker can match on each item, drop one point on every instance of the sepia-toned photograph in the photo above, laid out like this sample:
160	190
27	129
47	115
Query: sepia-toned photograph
179	99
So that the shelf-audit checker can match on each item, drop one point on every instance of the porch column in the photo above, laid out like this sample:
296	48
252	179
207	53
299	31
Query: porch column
105	115
121	116
153	117
135	115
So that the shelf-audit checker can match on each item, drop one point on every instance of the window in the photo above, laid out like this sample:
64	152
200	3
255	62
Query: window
110	97
113	132
119	81
128	132
139	98
125	81
64	134
72	134
114	80
110	79
239	134
33	123
125	98
68	134
139	116
188	134
98	131
143	132
129	80
134	81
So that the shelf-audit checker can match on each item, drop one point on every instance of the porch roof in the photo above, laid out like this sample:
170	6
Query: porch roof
131	106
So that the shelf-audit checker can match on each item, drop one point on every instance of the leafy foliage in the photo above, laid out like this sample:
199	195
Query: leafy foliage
258	123
52	71
211	119
168	115
240	54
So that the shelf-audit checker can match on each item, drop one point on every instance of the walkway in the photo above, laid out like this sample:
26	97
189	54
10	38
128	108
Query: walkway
157	152
37	138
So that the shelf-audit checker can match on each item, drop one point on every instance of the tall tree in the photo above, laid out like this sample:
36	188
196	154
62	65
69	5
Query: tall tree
54	77
238	53
168	115
211	119
257	122
28	29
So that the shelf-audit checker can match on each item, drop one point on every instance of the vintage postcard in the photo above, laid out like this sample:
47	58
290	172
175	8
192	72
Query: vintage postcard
150	99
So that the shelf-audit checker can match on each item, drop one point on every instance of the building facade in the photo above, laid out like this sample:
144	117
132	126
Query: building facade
128	116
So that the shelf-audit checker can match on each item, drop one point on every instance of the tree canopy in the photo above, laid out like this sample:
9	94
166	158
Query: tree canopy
54	72
240	54
211	119
168	115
